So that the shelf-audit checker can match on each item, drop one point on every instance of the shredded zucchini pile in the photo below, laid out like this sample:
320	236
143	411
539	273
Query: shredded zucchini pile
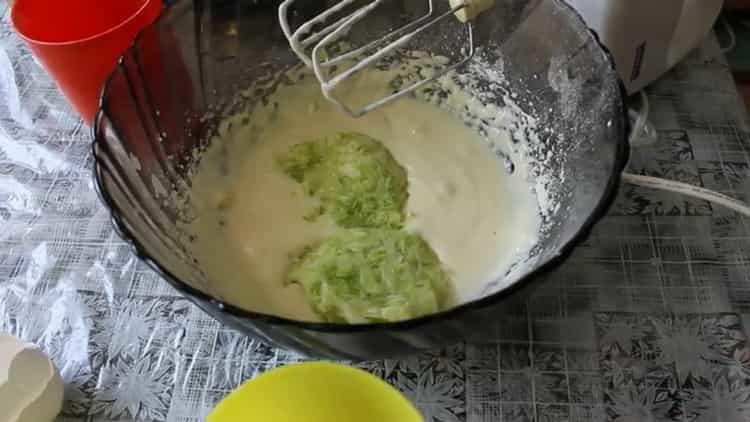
371	275
370	271
356	178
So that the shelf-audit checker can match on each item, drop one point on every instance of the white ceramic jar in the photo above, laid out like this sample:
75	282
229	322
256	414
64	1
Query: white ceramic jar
31	389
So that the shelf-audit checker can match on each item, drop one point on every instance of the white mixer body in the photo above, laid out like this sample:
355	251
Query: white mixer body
649	37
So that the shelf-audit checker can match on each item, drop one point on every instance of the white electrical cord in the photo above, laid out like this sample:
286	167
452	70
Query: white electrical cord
643	133
687	190
732	36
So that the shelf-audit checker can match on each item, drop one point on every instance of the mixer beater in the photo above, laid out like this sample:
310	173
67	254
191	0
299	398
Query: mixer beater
311	39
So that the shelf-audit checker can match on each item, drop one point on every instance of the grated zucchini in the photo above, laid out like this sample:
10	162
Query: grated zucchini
371	275
356	179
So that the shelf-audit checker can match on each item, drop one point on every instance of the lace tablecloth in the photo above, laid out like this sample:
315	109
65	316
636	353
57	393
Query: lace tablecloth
647	321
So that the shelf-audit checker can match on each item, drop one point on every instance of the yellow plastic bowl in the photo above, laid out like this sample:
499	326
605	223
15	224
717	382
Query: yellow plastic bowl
315	392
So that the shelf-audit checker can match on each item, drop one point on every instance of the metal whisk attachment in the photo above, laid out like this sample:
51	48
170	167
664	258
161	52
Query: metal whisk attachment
310	40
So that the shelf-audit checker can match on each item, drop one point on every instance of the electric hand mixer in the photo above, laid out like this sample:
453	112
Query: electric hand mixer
310	40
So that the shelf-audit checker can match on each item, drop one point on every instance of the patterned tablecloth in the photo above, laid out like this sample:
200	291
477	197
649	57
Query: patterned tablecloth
647	322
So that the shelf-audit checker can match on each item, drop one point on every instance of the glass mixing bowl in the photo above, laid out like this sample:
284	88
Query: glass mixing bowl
170	91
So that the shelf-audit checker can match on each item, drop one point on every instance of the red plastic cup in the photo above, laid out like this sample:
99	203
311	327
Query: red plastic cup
79	41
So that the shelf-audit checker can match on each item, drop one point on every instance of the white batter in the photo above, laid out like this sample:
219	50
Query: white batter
478	218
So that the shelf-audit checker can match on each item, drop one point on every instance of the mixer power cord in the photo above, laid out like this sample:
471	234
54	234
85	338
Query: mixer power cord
688	190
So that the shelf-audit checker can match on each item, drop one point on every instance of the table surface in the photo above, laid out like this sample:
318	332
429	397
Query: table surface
647	321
